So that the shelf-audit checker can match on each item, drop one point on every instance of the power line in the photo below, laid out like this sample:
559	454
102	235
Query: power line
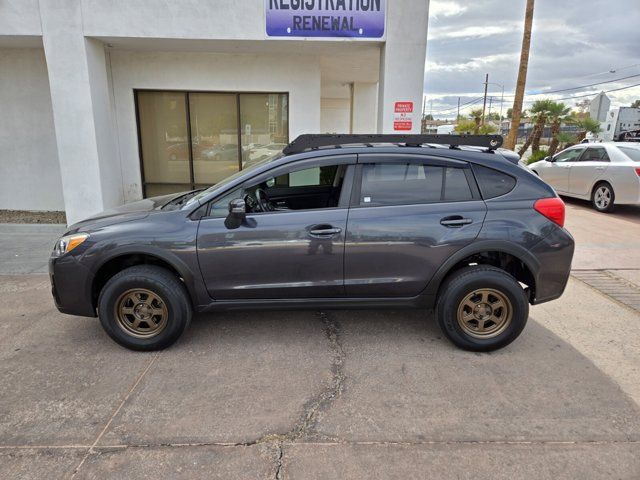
591	94
462	105
580	87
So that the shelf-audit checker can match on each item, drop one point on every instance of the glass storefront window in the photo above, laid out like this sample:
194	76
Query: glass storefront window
164	141
214	136
191	139
264	123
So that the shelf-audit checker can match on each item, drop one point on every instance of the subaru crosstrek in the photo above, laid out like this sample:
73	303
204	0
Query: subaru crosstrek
442	222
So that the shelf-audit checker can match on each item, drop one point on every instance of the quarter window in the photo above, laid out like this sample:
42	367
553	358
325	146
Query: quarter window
493	183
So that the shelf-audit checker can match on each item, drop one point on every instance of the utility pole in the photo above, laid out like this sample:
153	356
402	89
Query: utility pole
516	112
484	101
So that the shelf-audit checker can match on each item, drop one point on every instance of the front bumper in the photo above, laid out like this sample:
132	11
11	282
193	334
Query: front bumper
555	253
71	284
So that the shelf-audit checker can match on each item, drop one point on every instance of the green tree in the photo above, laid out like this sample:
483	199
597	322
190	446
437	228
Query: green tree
586	125
558	114
539	113
636	104
471	127
476	116
466	126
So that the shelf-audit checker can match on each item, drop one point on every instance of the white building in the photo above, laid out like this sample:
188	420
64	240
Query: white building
107	102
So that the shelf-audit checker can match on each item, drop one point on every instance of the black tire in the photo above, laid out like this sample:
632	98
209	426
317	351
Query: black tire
464	282
165	286
606	187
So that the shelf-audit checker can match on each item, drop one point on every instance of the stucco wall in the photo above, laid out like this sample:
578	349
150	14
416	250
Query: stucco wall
208	72
29	171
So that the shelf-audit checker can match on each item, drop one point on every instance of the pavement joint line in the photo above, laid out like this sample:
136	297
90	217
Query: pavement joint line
333	443
115	413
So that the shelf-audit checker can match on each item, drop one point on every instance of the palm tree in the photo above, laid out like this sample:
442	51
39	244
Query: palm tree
587	125
558	113
564	139
539	112
510	143
476	116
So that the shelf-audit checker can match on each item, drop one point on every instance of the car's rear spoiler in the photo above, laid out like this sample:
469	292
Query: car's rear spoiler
510	155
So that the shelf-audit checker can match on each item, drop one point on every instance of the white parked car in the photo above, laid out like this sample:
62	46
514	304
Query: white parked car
604	173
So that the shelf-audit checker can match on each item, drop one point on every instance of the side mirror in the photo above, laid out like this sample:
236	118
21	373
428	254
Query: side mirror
548	159
237	213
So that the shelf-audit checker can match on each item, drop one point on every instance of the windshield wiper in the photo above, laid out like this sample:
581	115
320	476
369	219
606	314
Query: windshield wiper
178	202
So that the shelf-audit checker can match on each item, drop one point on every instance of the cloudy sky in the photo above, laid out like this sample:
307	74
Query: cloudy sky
574	43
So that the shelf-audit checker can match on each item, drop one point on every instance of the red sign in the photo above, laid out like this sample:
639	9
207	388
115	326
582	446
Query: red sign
403	107
402	120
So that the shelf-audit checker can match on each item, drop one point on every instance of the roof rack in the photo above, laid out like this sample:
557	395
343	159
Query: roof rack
310	142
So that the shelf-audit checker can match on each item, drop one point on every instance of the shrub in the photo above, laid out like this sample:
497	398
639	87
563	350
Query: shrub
535	156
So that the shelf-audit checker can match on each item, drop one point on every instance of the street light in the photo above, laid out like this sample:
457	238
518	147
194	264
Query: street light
501	98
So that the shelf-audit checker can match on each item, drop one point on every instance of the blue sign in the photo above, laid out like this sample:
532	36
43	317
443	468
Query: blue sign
325	18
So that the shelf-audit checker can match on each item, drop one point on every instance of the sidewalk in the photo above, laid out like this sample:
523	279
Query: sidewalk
25	248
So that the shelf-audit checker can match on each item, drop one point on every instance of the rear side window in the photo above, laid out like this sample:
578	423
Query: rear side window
595	154
493	183
411	183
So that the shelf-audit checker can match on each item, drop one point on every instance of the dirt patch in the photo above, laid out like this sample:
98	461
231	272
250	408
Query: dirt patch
24	216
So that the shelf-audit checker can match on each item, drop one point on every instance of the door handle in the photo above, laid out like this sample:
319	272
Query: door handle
599	168
324	231
455	221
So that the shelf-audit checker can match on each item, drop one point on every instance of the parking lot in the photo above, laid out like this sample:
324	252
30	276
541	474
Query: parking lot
335	394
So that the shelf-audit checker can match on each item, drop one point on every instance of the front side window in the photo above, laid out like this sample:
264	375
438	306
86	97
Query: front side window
412	183
569	155
308	177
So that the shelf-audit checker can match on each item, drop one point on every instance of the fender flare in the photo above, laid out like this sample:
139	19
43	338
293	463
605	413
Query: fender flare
171	259
530	261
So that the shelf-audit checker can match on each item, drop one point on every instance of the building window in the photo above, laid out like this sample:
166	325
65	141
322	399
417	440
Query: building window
195	139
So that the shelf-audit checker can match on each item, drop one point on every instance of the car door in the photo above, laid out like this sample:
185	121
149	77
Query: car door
556	173
408	215
287	253
593	164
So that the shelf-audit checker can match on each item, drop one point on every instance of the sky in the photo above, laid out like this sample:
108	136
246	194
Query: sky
574	43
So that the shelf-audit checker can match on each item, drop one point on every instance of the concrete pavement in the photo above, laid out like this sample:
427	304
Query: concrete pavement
345	394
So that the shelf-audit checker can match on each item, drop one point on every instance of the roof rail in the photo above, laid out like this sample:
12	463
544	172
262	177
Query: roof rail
311	141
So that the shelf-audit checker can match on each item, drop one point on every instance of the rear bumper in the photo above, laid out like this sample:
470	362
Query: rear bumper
71	286
555	253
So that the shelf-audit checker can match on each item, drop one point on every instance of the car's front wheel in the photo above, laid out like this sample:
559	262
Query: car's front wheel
603	197
482	308
144	307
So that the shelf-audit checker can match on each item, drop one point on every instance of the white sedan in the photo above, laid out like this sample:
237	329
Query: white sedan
604	173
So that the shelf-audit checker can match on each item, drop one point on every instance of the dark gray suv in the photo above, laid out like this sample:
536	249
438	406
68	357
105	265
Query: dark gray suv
335	221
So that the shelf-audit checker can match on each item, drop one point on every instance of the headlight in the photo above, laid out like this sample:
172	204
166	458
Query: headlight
69	242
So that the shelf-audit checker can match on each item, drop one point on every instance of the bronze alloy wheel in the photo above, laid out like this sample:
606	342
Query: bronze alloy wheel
484	313
141	313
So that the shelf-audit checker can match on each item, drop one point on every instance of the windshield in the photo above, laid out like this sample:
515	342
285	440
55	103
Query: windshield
632	152
248	166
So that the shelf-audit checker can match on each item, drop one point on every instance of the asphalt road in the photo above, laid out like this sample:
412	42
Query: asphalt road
331	395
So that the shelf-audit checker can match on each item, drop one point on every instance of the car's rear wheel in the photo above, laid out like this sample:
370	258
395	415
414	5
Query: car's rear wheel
144	307
603	197
482	308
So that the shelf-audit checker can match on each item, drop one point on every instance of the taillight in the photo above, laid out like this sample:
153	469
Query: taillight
552	208
638	171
